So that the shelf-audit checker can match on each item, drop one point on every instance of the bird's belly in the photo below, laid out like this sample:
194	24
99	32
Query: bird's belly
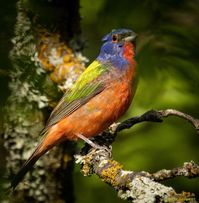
97	114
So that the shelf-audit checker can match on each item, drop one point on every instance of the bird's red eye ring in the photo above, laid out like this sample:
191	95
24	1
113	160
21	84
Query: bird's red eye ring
114	38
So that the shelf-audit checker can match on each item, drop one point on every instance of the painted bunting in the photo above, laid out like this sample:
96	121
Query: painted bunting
98	98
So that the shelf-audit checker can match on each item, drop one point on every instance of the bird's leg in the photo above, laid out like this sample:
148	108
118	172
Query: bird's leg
92	144
95	146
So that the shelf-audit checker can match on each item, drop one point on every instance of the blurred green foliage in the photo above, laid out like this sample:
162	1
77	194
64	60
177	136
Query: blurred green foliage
168	63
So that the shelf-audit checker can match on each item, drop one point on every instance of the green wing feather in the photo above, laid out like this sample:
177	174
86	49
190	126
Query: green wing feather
86	87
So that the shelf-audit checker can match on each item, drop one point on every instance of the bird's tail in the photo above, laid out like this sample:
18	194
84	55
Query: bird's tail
48	142
26	167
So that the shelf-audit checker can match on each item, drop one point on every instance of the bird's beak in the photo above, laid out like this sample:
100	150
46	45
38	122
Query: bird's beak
131	37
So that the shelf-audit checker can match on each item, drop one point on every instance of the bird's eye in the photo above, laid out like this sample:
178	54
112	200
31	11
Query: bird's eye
114	38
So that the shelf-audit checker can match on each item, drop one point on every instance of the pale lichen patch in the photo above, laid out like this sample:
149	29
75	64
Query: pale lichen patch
144	190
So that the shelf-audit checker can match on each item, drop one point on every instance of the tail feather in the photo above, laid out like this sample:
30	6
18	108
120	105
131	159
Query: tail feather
52	138
26	167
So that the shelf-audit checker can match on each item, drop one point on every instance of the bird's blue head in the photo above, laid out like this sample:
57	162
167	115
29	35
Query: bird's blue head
117	48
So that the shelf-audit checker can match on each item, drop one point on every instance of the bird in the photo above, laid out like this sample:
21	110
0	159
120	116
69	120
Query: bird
98	98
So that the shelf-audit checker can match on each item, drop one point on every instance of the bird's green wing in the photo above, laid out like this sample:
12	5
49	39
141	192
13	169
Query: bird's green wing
87	86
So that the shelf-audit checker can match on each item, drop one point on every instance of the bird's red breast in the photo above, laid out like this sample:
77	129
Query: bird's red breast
100	111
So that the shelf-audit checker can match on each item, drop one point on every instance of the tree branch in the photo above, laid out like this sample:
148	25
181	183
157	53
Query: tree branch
155	116
141	186
189	170
138	187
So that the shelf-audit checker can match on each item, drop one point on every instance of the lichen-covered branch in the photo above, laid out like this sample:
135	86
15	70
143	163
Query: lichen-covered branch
138	187
189	170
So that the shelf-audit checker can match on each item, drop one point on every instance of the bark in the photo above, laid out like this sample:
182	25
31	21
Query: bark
45	54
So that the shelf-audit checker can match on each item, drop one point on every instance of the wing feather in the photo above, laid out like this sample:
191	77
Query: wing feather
86	87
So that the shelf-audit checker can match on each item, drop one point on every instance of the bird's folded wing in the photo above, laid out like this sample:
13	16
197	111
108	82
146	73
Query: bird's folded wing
88	85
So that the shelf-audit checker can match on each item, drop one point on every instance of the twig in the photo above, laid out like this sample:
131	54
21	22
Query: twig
108	137
189	170
173	112
155	116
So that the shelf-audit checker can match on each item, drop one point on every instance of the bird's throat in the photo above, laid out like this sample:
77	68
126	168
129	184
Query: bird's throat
128	52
